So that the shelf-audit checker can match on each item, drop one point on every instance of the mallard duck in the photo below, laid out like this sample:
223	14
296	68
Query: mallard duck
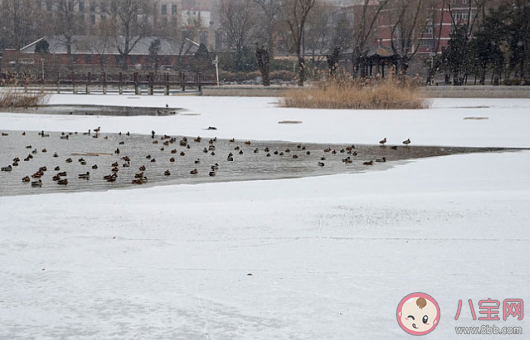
148	157
232	140
205	150
43	168
55	155
167	173
256	150
84	176
230	159
7	168
138	181
174	151
153	160
308	153
194	172
172	159
197	139
211	173
62	181
36	183
57	168
126	158
295	156
26	179
62	174
369	163
139	175
155	142
182	153
381	160
268	154
211	147
197	161
56	178
44	150
406	142
114	164
15	163
142	168
394	147
321	164
65	137
248	142
382	141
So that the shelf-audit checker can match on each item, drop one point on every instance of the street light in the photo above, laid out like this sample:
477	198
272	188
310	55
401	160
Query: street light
42	64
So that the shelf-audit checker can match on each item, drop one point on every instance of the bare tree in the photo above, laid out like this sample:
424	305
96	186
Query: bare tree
130	23
271	10
236	18
319	33
100	44
365	21
297	12
67	22
409	23
19	23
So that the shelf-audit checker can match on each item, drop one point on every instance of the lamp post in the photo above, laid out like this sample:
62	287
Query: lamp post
42	64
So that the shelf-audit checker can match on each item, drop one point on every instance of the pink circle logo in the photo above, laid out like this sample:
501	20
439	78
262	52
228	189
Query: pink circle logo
418	314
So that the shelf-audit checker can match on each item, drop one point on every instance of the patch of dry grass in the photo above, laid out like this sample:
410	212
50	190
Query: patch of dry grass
12	98
361	94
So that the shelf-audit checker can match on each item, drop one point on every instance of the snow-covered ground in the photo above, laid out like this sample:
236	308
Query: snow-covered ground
330	257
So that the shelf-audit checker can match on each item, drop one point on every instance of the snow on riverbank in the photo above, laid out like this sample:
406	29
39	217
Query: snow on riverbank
330	257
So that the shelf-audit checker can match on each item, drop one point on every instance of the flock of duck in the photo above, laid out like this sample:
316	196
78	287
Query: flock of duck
164	141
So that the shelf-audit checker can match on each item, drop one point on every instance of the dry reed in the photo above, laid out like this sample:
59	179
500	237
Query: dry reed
361	94
13	98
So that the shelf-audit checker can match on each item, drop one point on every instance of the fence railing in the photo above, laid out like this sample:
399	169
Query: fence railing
78	82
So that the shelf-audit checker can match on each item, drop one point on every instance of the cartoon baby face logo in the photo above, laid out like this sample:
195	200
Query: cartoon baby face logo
418	314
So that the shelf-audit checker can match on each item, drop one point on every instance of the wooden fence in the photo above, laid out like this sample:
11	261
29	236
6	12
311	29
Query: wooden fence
77	82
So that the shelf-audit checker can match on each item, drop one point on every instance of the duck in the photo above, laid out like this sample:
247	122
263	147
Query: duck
256	150
381	160
182	153
211	147
334	152
268	154
155	142
406	142
56	177
240	152
211	173
194	172
38	174
138	181
28	147
43	168
321	164
248	142
7	168
95	136
237	148
233	140
347	160
205	150
382	141
23	133
197	139
322	158
81	160
174	151
295	156
87	133
213	153
394	147
197	161
117	151
128	133
84	176
369	163
148	157
276	152
327	150
110	178
166	143
98	129
342	151
215	167
308	153
299	146
57	168
142	168
36	183
62	182
121	143
172	159
127	165
153	160
287	150
15	163
55	155
114	164
26	179
115	169
167	173
139	175
44	150
62	174
183	142
16	159
267	149
230	159
64	137
126	158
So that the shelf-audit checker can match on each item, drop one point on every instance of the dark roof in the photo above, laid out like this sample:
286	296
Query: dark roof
93	45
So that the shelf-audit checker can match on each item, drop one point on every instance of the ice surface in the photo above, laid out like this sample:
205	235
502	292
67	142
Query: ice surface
330	257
